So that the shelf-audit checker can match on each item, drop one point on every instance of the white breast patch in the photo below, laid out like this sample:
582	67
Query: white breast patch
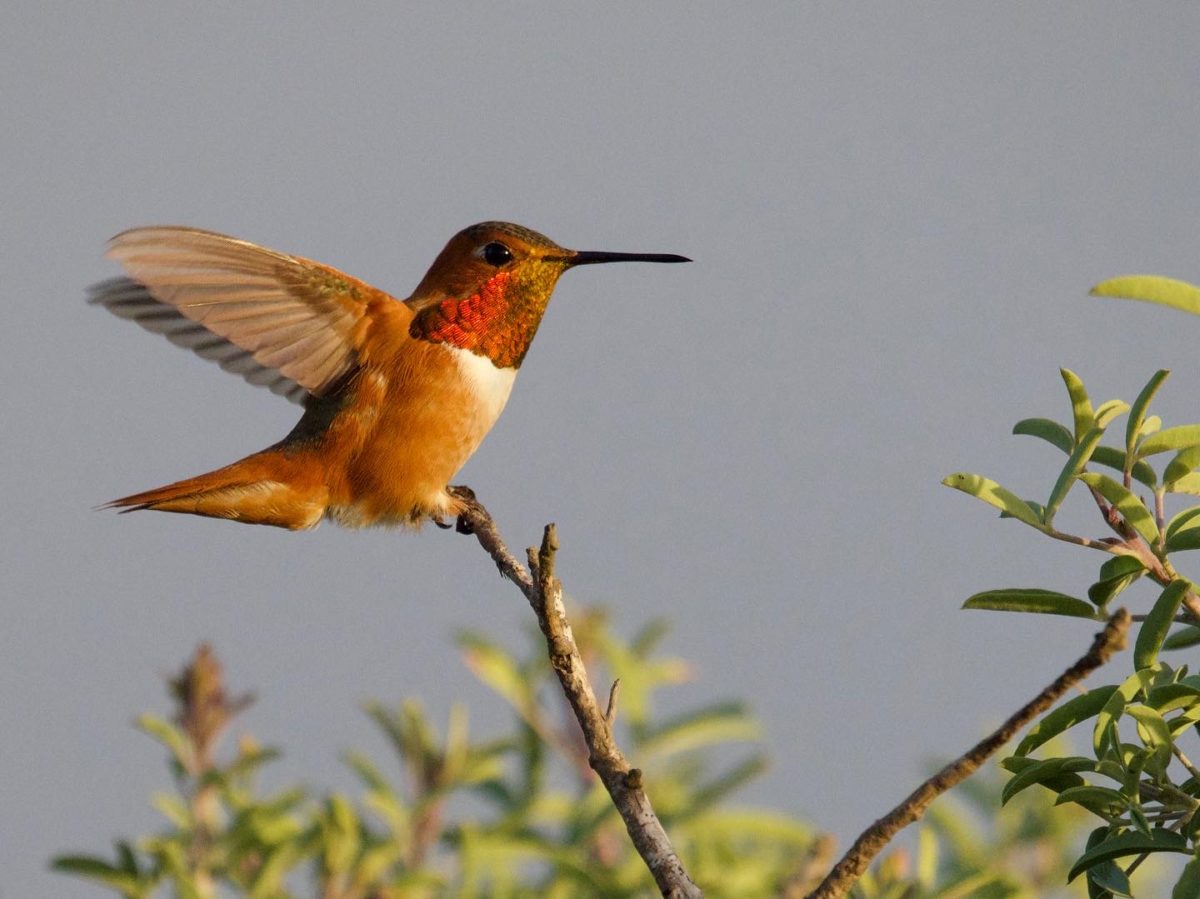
490	384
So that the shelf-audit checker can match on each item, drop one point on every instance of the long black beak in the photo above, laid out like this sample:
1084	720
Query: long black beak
595	257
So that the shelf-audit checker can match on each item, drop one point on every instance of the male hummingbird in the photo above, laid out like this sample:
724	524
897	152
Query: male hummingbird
397	395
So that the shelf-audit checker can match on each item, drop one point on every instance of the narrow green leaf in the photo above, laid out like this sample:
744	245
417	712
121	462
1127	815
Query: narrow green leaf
1112	457
97	870
1151	289
1030	599
1104	801
1188	884
1152	728
1081	406
1151	425
1176	438
1114	707
1132	509
167	734
1109	410
1129	843
1108	876
1048	770
1168	697
1137	412
1075	462
1189	484
1186	518
1184	462
1067	715
1188	635
1050	431
995	495
1115	575
1154	629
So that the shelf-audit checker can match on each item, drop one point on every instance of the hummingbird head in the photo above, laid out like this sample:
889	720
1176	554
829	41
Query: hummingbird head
487	290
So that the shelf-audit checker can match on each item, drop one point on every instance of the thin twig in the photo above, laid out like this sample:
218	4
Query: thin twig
852	865
543	591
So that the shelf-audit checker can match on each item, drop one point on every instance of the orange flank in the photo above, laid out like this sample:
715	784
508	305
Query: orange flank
397	395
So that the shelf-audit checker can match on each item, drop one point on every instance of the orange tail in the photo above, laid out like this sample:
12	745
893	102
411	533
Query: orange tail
271	487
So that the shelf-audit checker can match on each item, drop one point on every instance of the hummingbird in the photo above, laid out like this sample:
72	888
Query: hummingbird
397	394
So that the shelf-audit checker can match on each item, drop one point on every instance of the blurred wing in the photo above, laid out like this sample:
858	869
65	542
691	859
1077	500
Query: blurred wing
280	321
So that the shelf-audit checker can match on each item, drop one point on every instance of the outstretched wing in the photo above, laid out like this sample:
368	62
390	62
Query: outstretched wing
279	321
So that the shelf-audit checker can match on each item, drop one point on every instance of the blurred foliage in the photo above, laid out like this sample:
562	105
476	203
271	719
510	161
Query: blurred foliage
522	815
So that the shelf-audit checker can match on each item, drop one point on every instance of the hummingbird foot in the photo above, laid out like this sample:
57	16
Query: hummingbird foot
441	522
466	496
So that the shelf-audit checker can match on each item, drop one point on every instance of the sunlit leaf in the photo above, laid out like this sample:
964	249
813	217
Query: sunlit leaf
1151	289
1189	484
1030	599
1184	463
1170	439
993	494
1081	406
1101	800
1132	509
1154	629
1137	412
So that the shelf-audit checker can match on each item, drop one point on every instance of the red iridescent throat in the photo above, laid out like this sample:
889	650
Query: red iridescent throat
488	323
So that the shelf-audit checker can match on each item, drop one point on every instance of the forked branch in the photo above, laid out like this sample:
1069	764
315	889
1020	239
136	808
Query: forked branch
874	838
543	590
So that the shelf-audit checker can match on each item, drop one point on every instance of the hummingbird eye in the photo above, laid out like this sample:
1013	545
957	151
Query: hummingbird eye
497	254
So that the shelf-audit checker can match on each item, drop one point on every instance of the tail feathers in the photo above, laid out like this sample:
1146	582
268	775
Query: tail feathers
266	488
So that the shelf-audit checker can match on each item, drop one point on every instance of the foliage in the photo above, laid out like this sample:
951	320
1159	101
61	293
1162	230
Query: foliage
536	822
1138	779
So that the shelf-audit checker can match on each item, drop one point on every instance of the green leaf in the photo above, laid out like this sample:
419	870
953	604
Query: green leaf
1113	458
1176	438
1065	716
724	722
1103	801
1115	575
1188	635
1184	462
1151	289
1031	599
1050	431
1154	629
1152	728
1109	410
1132	509
167	734
1115	706
1185	519
995	495
1107	876
1137	412
1078	459
1188	884
1189	483
1129	843
1081	406
97	870
1062	770
497	669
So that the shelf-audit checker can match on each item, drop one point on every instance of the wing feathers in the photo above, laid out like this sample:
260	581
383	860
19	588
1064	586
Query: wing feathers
277	320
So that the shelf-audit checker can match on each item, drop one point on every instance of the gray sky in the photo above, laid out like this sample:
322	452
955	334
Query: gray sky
895	215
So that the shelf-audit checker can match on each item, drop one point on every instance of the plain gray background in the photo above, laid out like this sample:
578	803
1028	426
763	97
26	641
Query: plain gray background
895	213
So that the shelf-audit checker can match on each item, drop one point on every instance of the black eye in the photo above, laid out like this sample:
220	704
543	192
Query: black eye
497	254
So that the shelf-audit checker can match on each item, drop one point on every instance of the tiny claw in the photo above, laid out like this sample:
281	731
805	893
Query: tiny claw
444	525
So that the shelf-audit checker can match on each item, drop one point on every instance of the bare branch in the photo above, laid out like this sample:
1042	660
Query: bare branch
852	865
543	591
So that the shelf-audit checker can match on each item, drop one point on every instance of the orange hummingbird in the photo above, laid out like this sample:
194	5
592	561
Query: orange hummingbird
397	395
